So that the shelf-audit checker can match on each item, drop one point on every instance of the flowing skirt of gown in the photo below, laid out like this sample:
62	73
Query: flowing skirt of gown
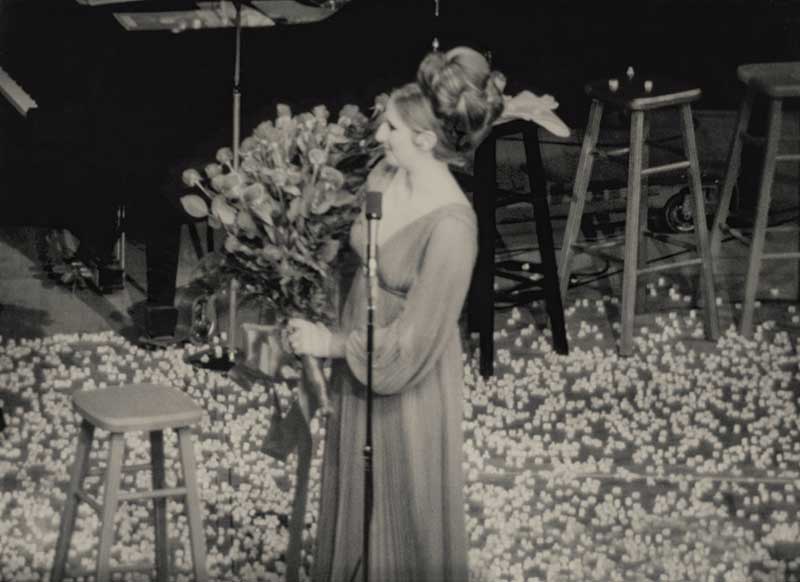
417	532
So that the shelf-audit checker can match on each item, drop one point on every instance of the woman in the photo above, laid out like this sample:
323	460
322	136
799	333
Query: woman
426	250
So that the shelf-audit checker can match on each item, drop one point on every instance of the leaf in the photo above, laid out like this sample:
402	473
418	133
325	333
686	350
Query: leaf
263	210
341	198
232	244
309	261
244	220
329	250
294	209
271	253
218	182
254	193
321	205
194	206
293	190
224	212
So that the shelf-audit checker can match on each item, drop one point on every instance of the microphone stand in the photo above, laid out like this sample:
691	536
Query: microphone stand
373	213
237	95
237	125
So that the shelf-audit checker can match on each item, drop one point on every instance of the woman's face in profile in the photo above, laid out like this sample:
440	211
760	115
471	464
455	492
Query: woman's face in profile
397	138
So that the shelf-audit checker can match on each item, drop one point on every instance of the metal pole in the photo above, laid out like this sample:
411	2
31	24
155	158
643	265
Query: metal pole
237	96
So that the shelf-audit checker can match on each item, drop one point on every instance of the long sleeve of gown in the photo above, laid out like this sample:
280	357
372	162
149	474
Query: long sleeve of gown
407	348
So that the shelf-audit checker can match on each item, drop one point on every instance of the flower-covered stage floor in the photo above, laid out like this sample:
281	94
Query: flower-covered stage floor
680	463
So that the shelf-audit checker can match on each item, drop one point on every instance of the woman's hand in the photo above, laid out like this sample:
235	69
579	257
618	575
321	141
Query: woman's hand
309	338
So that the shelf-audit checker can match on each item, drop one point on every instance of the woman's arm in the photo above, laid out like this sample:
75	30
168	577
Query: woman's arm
408	348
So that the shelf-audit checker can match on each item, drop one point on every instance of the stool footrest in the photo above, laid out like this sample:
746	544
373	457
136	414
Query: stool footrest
101	470
90	501
674	166
511	298
788	255
598	252
672	240
735	233
588	247
738	232
157	494
519	265
760	140
610	152
787	158
667	266
535	279
751	139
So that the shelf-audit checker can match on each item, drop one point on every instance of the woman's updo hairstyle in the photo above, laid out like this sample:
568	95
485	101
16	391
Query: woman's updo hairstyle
457	96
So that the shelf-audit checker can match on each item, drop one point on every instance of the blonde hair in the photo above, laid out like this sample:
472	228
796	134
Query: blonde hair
456	96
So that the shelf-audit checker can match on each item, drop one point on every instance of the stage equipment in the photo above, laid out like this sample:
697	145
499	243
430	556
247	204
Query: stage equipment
373	213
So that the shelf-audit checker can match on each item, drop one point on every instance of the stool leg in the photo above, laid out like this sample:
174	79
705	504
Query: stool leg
632	226
481	296
110	502
579	189
297	521
644	207
731	172
762	215
159	504
544	234
700	226
79	470
193	509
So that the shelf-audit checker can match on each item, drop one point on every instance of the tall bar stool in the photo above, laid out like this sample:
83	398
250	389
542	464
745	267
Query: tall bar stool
775	82
134	407
526	286
638	97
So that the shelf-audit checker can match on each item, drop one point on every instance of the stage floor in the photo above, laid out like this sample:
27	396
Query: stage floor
681	463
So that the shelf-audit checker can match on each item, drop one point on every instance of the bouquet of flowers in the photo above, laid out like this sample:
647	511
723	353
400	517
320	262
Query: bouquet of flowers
286	204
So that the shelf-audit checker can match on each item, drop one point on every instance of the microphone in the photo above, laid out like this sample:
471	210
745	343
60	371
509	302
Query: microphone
373	212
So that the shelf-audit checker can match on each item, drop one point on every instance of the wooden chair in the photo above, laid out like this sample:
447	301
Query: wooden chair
773	82
531	280
134	407
638	97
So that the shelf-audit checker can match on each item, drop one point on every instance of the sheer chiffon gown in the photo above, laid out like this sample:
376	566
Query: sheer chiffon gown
417	531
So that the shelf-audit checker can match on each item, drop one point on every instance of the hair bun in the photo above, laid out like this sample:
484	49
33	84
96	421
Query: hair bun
465	94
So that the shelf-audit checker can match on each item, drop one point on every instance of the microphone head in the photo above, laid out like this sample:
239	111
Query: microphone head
373	204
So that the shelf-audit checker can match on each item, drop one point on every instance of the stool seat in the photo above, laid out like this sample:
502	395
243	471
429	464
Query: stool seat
631	94
137	407
776	80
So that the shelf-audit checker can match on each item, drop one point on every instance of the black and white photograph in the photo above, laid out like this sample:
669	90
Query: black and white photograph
399	291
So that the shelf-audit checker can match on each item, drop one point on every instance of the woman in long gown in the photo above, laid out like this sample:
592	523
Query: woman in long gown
427	244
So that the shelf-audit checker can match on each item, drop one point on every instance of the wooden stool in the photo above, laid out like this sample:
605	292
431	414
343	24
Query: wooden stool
483	299
135	407
631	95
775	82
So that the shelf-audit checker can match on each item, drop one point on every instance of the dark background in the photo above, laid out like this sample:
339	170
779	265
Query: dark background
121	114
